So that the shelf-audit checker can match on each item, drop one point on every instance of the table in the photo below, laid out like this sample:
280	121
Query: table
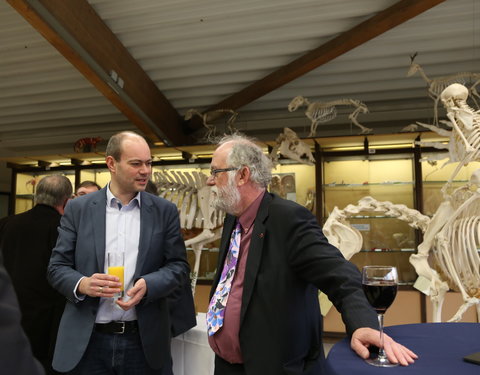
439	346
191	353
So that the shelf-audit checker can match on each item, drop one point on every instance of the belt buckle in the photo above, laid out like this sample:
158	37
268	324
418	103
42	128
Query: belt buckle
122	330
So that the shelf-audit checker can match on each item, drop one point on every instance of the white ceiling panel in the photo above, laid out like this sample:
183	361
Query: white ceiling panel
199	52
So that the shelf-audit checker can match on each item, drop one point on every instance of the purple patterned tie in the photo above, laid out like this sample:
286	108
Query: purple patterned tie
216	309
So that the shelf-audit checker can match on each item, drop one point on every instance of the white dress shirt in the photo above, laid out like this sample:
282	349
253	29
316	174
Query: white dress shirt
122	234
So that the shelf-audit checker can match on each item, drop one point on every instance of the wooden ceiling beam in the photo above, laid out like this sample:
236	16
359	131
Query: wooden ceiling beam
79	34
365	31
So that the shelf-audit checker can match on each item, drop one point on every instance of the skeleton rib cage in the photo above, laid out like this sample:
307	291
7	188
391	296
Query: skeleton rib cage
193	197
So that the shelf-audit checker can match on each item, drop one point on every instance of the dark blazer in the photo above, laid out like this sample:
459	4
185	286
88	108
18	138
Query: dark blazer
288	261
27	240
15	355
80	251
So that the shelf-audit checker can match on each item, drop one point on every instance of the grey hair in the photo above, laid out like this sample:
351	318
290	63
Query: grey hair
245	153
53	190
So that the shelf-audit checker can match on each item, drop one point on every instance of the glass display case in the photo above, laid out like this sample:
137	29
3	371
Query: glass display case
436	174
386	239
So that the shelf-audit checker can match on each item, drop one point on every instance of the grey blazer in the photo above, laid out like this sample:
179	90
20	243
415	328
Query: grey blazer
80	251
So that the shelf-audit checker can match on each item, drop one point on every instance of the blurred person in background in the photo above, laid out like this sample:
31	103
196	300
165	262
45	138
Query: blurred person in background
26	241
86	187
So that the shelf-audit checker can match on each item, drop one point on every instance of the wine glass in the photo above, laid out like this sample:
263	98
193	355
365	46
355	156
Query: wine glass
380	287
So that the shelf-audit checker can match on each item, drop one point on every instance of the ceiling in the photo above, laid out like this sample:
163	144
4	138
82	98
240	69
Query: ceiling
59	60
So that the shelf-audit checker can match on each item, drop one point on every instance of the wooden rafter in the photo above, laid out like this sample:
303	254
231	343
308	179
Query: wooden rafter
79	34
365	31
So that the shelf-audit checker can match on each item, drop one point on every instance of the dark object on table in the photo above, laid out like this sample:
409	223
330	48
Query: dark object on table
473	358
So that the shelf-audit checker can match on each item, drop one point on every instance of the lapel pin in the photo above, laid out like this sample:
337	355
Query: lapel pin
261	235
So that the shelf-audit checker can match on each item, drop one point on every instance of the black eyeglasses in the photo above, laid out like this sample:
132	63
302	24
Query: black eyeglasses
213	172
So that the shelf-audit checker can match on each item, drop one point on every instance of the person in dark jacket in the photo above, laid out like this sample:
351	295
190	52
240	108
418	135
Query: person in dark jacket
264	316
26	241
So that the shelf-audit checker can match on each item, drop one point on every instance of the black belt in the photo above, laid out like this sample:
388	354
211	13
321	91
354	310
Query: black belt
117	328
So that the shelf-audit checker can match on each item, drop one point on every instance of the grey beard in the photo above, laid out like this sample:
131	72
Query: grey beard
228	199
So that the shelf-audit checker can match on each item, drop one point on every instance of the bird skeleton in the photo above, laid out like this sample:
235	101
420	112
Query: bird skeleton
320	112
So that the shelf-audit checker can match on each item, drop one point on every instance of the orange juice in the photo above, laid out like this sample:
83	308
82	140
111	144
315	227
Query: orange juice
117	271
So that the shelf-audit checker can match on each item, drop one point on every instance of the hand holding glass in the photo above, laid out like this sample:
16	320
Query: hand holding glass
115	267
380	287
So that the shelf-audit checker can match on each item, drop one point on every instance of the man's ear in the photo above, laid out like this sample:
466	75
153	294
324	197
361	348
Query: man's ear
244	175
111	163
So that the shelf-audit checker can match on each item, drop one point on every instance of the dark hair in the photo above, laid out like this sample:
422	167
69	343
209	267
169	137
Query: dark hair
87	184
114	146
53	190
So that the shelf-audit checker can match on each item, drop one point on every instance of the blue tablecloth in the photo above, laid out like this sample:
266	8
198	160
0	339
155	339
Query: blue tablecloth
439	346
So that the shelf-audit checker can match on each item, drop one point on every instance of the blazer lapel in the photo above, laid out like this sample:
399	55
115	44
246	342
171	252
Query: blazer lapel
146	229
254	254
98	214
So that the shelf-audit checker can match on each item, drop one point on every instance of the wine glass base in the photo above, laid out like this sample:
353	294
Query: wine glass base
380	362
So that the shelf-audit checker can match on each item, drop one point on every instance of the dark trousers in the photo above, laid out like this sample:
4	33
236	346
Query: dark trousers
114	354
223	367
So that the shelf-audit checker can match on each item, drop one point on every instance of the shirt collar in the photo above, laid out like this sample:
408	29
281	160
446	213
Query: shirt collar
113	201
247	218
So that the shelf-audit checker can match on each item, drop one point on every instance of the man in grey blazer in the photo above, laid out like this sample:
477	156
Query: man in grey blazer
132	334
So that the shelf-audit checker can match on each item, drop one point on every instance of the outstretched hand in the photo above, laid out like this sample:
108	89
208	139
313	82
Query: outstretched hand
363	338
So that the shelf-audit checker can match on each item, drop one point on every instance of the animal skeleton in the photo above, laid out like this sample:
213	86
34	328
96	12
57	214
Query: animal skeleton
437	85
349	240
318	112
452	239
466	126
193	197
289	145
206	117
456	150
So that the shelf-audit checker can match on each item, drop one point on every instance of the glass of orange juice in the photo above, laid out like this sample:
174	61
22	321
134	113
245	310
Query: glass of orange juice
115	267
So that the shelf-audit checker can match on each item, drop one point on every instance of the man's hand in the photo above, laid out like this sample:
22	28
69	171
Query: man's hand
136	294
362	338
100	285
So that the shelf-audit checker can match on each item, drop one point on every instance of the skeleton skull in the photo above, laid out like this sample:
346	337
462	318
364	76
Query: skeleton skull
293	148
454	92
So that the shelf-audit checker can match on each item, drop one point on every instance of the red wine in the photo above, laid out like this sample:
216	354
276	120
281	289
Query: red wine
380	295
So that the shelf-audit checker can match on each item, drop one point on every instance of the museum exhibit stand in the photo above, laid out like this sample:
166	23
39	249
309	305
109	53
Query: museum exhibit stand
386	167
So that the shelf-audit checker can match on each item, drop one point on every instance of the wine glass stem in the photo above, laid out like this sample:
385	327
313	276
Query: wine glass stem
381	352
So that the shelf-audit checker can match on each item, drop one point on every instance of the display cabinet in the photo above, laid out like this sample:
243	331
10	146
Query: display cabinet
386	239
